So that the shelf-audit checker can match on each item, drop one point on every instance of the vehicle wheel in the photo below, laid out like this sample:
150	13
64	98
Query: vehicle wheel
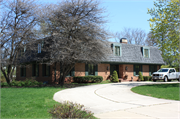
165	79
154	80
179	79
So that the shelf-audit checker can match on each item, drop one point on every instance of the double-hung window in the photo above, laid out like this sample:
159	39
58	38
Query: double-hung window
117	50
35	70
45	70
137	69
91	69
116	47
71	73
146	52
152	68
23	71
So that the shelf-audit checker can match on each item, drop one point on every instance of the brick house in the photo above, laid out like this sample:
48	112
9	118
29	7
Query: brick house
126	59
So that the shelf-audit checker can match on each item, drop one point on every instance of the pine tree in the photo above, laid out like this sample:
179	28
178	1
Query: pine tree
114	77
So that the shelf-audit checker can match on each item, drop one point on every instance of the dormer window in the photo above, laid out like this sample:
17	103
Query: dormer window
39	48
116	49
146	52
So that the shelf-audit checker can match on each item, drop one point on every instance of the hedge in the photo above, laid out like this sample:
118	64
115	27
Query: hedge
87	79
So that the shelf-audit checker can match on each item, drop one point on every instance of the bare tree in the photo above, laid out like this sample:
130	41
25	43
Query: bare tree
134	36
77	33
16	26
150	41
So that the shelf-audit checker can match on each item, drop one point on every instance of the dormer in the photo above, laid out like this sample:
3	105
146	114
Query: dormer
117	49
146	52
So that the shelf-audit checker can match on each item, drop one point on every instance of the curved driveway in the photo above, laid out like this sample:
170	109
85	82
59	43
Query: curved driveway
116	100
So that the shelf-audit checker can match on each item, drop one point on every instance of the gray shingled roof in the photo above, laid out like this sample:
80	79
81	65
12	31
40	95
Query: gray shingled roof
133	54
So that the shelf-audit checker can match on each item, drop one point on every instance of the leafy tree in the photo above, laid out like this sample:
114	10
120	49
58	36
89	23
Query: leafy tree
164	27
114	77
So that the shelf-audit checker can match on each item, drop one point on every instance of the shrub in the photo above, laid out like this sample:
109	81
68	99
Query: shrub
147	78
140	77
26	83
3	84
3	79
87	79
114	77
70	110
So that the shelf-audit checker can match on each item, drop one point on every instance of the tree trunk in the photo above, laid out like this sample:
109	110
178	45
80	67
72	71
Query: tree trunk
6	76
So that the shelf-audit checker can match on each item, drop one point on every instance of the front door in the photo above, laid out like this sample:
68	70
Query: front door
113	68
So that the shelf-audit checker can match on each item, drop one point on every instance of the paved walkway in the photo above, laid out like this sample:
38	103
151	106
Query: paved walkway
118	101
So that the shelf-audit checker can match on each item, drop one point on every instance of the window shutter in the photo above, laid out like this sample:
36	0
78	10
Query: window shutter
72	72
21	72
149	70
37	70
86	69
141	69
43	73
134	70
49	70
24	71
96	70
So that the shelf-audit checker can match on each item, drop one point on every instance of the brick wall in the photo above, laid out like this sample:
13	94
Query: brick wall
102	71
145	70
129	72
121	71
80	69
40	78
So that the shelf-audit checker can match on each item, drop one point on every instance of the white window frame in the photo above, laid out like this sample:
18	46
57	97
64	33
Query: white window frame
143	51
39	48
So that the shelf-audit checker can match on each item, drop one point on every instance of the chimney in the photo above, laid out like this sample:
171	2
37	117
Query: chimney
123	40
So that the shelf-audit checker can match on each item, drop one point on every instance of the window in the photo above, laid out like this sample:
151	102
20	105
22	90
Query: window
146	52
39	48
23	71
152	68
172	70
45	70
35	70
117	50
71	73
137	69
91	69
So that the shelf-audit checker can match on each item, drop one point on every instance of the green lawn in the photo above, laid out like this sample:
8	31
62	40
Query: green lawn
31	102
27	102
165	91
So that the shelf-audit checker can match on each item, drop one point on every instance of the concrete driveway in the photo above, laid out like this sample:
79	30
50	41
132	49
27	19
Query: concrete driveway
116	100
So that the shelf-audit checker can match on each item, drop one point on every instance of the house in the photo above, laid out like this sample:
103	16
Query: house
126	59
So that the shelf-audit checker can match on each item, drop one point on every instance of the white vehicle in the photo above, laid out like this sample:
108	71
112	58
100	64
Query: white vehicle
166	74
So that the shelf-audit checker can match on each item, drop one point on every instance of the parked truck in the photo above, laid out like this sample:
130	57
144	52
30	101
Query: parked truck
166	74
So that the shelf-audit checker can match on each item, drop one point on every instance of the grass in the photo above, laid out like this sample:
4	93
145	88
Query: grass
165	91
27	102
31	102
